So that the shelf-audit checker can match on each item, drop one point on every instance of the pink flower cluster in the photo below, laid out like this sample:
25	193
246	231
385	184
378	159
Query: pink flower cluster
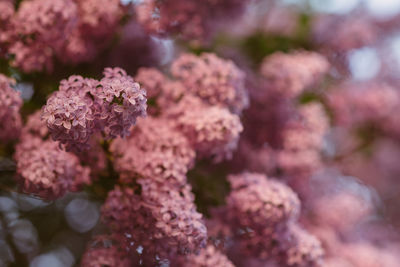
190	19
216	81
46	171
105	251
208	257
302	141
290	74
161	220
154	150
288	136
10	104
155	207
43	169
375	104
262	214
213	132
202	101
83	107
267	158
68	29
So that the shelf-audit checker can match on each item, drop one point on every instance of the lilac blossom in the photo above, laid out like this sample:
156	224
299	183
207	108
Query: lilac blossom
105	251
44	170
10	104
207	257
161	220
215	80
154	150
290	74
195	20
266	202
83	107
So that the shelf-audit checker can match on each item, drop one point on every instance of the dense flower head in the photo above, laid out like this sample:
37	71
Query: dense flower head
96	24
343	34
10	104
302	140
190	19
74	31
125	99
290	74
68	113
369	255
373	103
329	210
213	131
95	158
335	195
301	248
257	202
155	150
6	13
160	167
35	126
152	80
99	18
44	20
208	257
254	158
82	107
31	58
161	220
215	80
77	49
105	251
41	25
44	170
263	245
164	92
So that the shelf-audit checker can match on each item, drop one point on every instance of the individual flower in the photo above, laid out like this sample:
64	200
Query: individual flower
215	80
290	74
10	104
